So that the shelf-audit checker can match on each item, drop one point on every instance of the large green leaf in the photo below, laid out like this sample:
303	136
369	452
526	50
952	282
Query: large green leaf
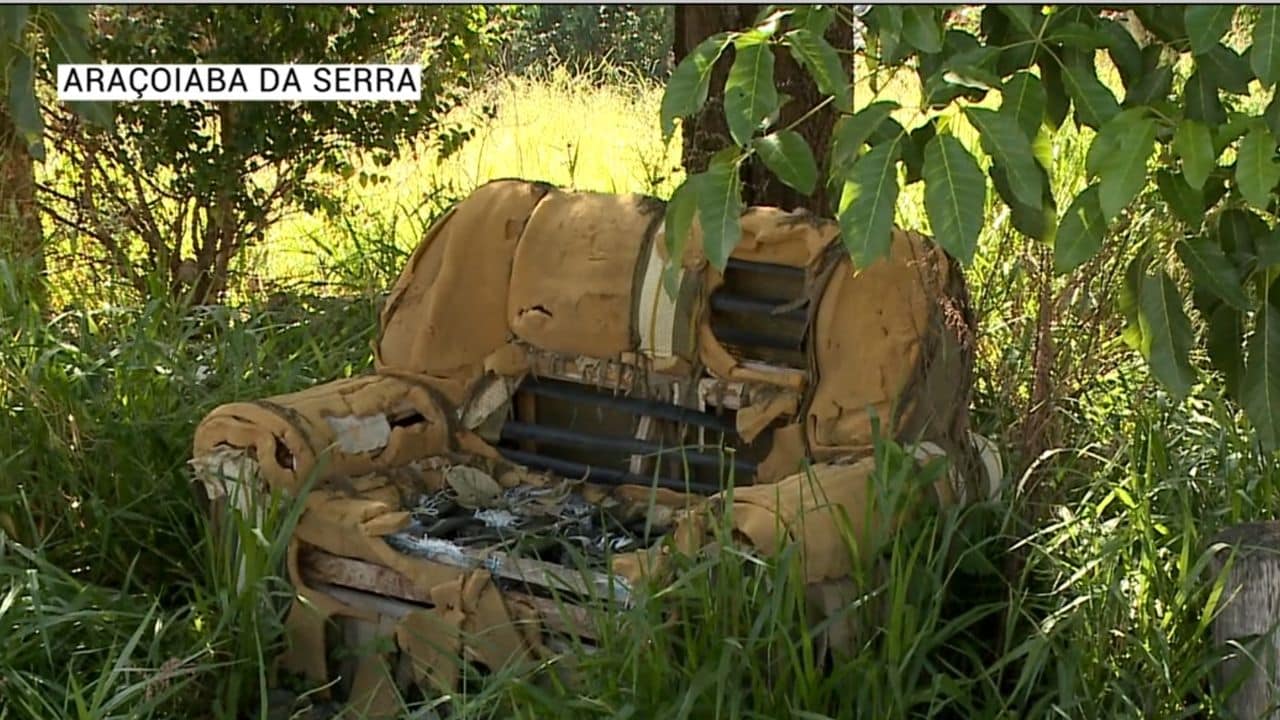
823	64
1267	249
1080	233
681	209
920	28
1223	336
749	93
888	20
1264	55
720	208
1026	18
1166	22
867	204
1185	201
1260	389
1212	270
813	18
1240	232
1256	168
1024	99
1127	302
913	150
853	131
1124	51
13	21
1194	144
1272	115
1166	333
1057	101
1227	69
955	196
1095	104
686	91
1206	24
1150	87
24	108
788	156
1078	35
68	33
1200	96
1123	169
1233	129
1005	142
1036	223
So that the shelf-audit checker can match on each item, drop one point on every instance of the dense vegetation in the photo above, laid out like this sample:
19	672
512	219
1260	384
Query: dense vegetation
1081	592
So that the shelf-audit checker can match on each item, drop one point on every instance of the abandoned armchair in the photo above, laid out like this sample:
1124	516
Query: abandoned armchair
553	412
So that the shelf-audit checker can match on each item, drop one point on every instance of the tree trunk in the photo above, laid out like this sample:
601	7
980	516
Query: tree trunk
708	132
20	234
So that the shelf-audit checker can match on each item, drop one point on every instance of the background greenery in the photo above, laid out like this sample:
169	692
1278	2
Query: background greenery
1081	592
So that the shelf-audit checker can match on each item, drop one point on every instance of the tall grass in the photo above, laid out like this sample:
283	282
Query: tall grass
117	602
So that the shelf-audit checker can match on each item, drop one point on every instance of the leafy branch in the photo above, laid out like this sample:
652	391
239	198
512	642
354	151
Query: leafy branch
1182	123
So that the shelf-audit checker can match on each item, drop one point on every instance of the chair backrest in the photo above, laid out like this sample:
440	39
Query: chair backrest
551	320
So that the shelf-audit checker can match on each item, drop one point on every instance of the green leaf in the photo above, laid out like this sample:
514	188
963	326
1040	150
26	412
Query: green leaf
1151	87
1260	388
24	108
749	94
1124	52
1272	115
1024	18
1004	141
1267	248
1042	149
1080	233
1223	342
823	63
1206	24
1226	69
720	208
13	21
1256	168
1079	35
1236	126
867	204
973	69
686	91
1130	139
920	28
1058	102
813	18
1166	333
1167	22
1200	95
1185	201
913	150
852	131
1095	104
1212	270
955	196
1024	99
1194	144
788	156
889	20
1127	302
1240	232
1264	55
676	224
1036	223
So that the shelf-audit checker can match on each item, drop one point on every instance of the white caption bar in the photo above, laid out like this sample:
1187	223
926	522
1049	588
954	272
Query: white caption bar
308	83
